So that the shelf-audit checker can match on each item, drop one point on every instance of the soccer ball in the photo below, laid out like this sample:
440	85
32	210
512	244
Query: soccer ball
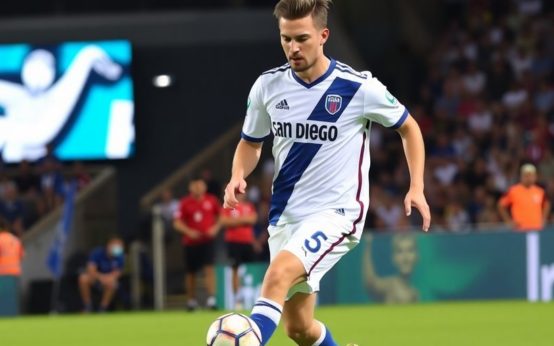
233	330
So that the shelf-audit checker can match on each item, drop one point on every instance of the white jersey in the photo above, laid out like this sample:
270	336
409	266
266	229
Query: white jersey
321	144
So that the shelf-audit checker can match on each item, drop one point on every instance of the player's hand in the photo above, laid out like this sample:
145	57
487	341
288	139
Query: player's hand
235	186
416	198
193	234
212	232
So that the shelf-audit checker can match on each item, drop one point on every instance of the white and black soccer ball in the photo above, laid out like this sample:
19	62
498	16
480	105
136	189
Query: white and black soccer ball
233	329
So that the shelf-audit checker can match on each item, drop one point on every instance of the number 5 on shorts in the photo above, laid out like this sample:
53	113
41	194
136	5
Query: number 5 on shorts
314	243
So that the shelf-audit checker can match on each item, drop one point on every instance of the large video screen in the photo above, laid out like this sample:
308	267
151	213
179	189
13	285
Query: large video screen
75	98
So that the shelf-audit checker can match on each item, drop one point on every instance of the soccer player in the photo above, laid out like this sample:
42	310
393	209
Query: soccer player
239	237
198	221
320	112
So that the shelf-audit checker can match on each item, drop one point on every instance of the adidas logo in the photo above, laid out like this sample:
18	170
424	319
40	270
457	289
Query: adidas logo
282	105
340	211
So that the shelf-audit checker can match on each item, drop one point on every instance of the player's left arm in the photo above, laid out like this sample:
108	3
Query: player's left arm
414	149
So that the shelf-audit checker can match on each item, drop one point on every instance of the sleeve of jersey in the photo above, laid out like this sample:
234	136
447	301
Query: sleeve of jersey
381	106
257	124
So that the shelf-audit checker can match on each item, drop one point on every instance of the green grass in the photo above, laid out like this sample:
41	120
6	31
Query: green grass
467	324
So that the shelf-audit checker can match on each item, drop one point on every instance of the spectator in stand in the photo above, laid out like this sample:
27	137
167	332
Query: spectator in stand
488	216
5	183
80	175
169	206
12	209
390	214
456	217
51	184
103	271
525	207
198	221
28	183
239	237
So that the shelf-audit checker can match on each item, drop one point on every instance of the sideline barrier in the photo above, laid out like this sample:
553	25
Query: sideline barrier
9	296
416	267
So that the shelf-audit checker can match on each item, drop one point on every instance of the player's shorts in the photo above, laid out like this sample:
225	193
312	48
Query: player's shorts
198	256
319	242
239	253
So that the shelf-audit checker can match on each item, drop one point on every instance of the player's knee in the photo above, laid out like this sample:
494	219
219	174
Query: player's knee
284	271
297	331
279	276
110	285
84	279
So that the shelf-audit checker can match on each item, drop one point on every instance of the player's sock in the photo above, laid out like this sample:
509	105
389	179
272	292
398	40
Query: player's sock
325	339
266	314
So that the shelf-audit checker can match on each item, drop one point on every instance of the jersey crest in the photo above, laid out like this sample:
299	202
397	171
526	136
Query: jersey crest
333	103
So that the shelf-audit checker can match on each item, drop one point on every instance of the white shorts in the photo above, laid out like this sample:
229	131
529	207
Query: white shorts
319	242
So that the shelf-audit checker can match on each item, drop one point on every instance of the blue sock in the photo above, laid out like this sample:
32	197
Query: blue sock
326	339
266	314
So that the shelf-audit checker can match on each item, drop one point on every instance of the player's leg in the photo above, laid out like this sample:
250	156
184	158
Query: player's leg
233	256
300	324
284	271
85	284
109	289
319	242
209	273
191	269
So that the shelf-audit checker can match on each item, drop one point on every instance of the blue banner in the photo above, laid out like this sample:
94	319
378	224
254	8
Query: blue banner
55	256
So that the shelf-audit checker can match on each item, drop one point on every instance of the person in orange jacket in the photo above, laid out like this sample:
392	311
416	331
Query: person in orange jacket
11	252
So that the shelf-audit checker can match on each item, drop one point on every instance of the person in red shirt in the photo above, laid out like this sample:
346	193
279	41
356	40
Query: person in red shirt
197	219
239	237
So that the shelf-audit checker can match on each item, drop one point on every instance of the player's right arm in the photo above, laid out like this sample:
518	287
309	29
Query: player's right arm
246	159
255	129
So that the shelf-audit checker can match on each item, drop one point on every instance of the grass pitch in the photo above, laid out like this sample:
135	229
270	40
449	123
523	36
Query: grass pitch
452	324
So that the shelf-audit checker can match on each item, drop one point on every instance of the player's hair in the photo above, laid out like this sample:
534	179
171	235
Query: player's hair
296	9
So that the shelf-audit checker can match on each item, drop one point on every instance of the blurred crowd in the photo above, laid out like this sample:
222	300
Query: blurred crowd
31	190
485	108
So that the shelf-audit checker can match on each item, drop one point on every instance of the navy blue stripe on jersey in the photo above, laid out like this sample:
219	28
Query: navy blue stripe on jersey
320	79
401	120
277	69
344	88
298	159
252	139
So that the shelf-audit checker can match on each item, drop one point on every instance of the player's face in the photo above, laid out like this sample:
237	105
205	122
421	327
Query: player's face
528	178
302	42
115	247
405	255
197	188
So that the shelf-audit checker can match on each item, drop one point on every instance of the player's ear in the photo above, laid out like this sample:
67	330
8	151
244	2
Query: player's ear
324	36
